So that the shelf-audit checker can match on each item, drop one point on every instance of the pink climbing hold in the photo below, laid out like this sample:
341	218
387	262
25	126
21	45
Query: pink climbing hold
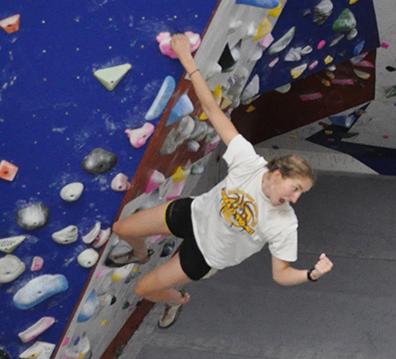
321	44
385	45
343	82
139	136
164	40
311	96
155	180
37	263
313	65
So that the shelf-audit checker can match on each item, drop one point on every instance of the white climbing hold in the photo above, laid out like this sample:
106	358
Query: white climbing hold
36	329
92	234
72	191
7	245
88	258
11	267
120	182
111	76
66	235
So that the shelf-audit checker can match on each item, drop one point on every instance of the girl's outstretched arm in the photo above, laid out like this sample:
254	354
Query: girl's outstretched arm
223	126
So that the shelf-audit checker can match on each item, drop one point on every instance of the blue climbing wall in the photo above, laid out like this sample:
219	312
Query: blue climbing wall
53	112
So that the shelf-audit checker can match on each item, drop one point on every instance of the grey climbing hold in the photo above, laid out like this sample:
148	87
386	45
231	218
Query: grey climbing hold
99	161
32	216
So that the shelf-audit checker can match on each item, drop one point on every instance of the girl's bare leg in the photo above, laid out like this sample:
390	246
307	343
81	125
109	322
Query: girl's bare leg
158	285
136	227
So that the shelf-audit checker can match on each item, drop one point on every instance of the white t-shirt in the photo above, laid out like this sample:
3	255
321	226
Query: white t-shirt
235	219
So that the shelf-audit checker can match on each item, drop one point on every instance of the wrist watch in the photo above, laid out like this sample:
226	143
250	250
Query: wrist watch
309	275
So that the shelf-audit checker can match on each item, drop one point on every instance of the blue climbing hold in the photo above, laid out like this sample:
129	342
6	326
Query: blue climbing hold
359	48
163	96
266	4
183	107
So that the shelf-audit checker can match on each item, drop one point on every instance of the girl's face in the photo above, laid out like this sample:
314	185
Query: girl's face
285	189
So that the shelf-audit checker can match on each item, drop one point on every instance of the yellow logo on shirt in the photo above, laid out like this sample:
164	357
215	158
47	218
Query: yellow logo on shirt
238	209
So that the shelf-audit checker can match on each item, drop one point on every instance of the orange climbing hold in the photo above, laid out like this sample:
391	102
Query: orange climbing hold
10	24
8	170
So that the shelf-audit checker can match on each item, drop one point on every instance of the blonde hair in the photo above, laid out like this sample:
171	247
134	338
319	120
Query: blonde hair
291	166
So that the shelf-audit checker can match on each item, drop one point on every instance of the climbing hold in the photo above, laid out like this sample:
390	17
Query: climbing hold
164	41
357	59
362	74
32	216
336	40
296	72
384	45
197	168
311	96
369	64
37	263
313	64
322	11
266	41
343	82
273	62
92	234
8	170
199	131
263	29
168	248
119	183
36	329
99	161
193	146
10	24
328	59
179	175
66	235
11	267
251	91
39	350
294	54
352	34
283	42
102	238
139	136
89	307
352	2
358	48
155	180
250	109
72	191
276	11
266	4
326	82
121	273
7	245
345	22
163	96
183	107
321	44
388	68
87	258
330	75
110	77
284	88
39	289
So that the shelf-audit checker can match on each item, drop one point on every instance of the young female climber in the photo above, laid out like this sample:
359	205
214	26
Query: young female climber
247	210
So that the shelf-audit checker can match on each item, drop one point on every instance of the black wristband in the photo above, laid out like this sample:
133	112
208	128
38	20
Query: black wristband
309	275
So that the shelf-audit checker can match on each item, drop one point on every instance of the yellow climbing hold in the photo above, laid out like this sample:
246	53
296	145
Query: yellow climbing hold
226	103
328	59
351	2
111	76
250	108
104	322
179	175
275	12
217	94
325	82
263	28
296	72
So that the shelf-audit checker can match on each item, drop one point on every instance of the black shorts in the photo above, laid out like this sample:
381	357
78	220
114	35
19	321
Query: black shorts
178	220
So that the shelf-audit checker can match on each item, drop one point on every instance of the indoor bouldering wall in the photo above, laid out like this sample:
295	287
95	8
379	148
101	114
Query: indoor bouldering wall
56	59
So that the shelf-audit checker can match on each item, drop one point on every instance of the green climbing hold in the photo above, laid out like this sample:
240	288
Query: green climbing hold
345	22
390	91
